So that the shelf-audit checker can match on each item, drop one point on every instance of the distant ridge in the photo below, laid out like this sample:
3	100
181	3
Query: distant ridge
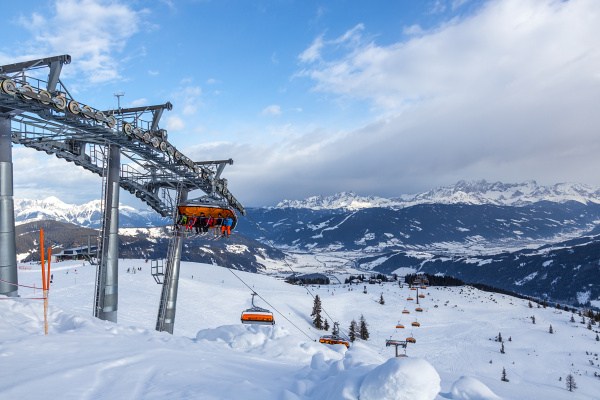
86	215
463	192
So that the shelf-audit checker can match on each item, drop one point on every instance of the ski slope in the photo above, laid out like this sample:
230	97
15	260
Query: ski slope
213	356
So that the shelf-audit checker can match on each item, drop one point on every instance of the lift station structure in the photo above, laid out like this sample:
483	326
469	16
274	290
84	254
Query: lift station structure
125	146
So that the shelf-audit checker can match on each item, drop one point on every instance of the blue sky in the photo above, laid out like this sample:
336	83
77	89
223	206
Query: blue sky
316	97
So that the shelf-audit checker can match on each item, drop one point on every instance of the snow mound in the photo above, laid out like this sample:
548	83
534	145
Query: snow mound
401	379
468	388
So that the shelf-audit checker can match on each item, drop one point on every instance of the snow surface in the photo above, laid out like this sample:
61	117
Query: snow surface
212	356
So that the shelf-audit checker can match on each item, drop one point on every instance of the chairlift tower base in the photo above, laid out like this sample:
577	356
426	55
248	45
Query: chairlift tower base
8	247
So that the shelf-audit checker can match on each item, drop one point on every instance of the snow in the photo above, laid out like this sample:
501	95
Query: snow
212	356
469	388
401	379
475	192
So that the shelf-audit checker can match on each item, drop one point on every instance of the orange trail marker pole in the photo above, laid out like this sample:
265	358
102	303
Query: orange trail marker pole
44	282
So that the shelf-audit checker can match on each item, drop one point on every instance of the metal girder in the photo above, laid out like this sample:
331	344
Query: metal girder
38	124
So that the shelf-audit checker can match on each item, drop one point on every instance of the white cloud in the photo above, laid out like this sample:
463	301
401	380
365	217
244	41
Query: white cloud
139	102
175	123
312	53
273	109
91	31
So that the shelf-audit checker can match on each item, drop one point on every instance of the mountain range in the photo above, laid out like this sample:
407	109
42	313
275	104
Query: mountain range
536	240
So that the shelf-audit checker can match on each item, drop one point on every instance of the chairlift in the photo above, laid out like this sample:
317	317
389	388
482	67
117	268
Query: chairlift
335	337
421	296
405	311
411	339
257	315
399	326
415	324
409	298
418	309
207	209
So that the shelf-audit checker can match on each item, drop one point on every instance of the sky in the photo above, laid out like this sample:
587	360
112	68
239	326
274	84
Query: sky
317	97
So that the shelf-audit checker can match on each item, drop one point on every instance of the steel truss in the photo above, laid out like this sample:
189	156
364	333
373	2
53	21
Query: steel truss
44	116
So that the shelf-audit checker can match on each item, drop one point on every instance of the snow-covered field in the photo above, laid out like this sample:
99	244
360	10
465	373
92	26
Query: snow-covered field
212	356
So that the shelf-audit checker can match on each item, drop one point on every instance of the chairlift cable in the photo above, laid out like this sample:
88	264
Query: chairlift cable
294	272
270	305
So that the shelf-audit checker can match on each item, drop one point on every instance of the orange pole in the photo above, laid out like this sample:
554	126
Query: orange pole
48	275
43	262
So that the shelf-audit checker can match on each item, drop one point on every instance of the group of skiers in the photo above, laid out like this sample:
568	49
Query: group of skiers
203	223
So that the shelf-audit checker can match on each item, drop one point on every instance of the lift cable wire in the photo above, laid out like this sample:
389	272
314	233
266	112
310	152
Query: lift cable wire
270	305
294	272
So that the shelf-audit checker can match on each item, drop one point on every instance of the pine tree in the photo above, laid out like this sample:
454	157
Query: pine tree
504	378
533	319
499	337
326	325
570	382
363	331
381	301
352	331
530	305
502	349
597	338
316	313
550	330
572	318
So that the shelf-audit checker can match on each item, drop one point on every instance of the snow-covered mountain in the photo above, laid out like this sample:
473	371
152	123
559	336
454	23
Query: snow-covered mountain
88	215
464	192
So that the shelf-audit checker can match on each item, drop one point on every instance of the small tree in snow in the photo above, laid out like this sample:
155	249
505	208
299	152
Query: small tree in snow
570	383
381	301
504	378
597	338
502	349
316	313
499	337
364	332
326	325
530	305
533	319
572	318
353	331
550	330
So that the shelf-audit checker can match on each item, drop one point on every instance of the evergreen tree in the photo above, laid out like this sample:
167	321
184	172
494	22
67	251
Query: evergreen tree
381	301
572	318
326	325
365	290
570	382
502	349
510	338
589	325
363	331
533	319
504	378
353	331
530	305
597	338
316	313
499	337
550	330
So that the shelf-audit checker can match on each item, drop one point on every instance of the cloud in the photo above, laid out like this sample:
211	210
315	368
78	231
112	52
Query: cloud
507	93
273	109
175	123
91	31
139	102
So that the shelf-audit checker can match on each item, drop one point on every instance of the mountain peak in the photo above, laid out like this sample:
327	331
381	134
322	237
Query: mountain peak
475	192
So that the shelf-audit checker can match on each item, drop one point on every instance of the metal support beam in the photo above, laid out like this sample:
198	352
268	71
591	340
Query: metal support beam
109	263
8	248
17	67
165	321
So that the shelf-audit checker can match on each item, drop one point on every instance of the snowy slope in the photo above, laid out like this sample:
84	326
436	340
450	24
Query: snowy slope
213	356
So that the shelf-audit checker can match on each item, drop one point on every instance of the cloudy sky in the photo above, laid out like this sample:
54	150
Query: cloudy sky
317	97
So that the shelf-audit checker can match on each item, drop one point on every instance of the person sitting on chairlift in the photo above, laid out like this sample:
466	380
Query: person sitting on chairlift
226	227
